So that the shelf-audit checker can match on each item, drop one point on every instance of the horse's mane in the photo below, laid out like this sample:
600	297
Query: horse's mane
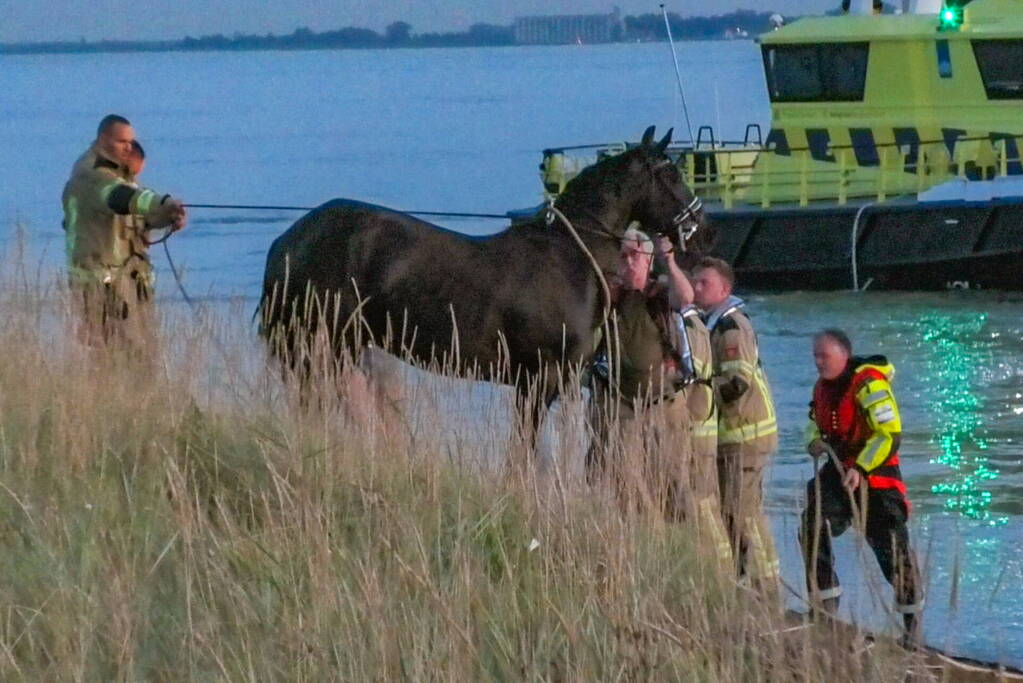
594	178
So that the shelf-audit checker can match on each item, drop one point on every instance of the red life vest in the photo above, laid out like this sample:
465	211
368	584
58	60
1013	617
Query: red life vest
843	424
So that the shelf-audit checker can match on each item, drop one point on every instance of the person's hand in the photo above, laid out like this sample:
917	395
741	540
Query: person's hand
852	479
817	448
178	214
663	248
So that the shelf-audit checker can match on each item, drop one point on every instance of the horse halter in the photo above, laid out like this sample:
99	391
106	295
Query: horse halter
687	221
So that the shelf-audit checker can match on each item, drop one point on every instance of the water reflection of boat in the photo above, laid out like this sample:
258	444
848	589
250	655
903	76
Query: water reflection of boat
893	159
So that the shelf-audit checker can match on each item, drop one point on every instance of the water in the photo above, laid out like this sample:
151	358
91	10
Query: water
462	130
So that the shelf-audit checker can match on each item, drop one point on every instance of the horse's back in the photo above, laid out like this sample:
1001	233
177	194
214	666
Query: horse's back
348	242
526	288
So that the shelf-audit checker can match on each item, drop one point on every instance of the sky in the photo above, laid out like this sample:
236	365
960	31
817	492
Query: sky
35	20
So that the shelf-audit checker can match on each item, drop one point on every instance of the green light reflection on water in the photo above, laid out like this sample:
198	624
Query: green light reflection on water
952	365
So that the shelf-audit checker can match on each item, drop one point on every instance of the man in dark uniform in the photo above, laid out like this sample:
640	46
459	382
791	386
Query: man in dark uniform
651	396
635	418
855	425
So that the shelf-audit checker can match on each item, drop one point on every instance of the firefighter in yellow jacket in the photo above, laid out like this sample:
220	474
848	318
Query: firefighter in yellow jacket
106	219
703	416
747	432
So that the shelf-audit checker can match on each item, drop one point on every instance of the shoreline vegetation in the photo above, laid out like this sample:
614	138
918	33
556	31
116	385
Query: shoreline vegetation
205	522
399	34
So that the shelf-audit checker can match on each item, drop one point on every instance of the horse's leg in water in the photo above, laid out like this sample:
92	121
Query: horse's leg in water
377	392
533	399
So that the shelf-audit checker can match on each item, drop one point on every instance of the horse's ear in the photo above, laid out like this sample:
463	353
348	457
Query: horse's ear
648	136
665	141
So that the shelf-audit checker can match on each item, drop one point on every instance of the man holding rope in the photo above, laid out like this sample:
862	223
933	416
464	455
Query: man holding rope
106	219
854	424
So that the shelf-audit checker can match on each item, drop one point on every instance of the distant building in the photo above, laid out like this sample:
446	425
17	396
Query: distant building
563	29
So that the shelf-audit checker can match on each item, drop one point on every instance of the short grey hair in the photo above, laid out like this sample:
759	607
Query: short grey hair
642	240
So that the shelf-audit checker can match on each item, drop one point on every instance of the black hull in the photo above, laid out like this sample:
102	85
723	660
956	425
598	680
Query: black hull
902	246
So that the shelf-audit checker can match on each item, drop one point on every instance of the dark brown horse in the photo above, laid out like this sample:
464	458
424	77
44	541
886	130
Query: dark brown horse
511	305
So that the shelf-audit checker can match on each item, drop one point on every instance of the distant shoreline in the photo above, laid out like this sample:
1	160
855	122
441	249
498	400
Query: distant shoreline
741	24
8	50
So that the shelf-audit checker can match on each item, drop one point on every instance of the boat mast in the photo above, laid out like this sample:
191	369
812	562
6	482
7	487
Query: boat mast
678	76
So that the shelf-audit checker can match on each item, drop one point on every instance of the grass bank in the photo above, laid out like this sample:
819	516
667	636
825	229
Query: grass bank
189	519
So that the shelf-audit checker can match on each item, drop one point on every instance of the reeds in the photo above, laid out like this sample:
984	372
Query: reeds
188	516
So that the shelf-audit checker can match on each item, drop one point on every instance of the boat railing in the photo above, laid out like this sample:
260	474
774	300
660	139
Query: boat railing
742	173
739	173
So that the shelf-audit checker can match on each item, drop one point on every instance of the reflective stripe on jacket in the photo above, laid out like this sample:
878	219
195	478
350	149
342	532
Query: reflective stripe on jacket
699	394
105	215
856	414
746	410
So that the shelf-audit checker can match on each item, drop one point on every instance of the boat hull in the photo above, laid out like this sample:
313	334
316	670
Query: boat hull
900	246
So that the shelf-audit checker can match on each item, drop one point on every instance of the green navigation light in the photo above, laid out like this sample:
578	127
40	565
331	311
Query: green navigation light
950	18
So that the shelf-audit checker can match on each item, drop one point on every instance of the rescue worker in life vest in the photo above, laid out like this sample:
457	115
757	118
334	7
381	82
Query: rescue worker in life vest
641	441
855	426
747	432
106	219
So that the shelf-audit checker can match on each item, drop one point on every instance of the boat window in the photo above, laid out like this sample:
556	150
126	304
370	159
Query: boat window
944	58
831	72
1001	67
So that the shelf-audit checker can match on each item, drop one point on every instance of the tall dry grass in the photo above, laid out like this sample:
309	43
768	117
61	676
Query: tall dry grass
189	518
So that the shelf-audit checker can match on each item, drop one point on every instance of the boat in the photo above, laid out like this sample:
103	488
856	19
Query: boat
892	160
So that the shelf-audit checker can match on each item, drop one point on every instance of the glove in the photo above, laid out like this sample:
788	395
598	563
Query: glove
178	214
817	448
169	214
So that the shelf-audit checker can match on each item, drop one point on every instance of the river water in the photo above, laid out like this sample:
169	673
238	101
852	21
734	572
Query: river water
462	130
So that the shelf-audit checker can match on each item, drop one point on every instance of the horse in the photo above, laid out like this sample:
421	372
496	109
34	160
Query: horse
517	306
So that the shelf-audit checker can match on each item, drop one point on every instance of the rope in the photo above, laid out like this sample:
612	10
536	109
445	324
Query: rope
821	526
854	239
266	207
261	207
177	276
593	261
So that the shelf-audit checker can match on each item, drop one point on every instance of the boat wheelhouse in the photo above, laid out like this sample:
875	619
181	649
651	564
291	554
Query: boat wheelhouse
893	156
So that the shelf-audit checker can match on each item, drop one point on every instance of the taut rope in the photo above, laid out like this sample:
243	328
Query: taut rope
261	207
589	255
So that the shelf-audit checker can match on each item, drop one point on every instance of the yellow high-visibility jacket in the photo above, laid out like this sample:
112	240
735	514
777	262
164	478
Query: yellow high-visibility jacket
859	418
700	394
746	414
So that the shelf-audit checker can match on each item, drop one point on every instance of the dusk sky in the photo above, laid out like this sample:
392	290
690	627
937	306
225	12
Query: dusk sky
29	20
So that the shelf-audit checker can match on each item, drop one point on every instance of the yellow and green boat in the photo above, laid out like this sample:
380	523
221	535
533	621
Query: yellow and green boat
892	160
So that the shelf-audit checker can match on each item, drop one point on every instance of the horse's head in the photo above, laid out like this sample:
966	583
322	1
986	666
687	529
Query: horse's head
666	206
641	184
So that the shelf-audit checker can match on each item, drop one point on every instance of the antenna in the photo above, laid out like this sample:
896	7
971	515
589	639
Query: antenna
678	75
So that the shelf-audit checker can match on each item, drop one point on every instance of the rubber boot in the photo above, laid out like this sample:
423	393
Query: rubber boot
830	607
911	632
824	605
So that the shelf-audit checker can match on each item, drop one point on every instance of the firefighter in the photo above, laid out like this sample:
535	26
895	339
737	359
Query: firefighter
106	216
855	426
703	417
747	433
